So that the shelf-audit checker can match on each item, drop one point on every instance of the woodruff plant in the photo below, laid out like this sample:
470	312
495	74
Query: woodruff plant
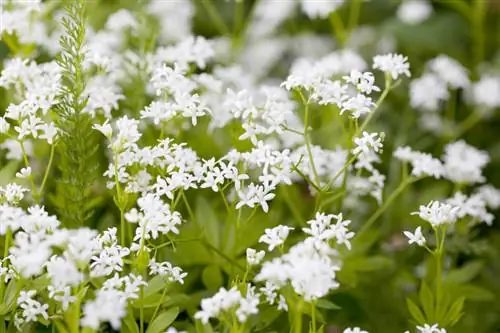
233	198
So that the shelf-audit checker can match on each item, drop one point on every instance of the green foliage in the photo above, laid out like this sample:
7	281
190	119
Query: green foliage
77	145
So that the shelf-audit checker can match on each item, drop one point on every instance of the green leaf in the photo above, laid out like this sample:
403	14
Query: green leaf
475	293
8	172
129	324
212	277
373	263
415	311
465	273
266	318
9	299
163	321
427	300
207	220
326	304
200	328
156	284
454	313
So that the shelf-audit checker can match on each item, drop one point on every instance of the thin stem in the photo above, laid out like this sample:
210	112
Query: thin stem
340	172
30	176
472	120
386	204
119	201
388	86
338	28
47	171
224	199
141	311
313	317
223	255
307	140
354	15
309	181
188	206
478	15
215	17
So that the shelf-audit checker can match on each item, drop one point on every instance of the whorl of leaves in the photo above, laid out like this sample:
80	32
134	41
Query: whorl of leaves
77	146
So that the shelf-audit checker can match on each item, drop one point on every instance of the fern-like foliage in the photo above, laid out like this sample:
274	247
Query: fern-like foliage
78	145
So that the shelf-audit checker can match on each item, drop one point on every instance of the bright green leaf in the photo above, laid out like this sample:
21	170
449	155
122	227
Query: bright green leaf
163	321
212	277
455	312
427	300
415	312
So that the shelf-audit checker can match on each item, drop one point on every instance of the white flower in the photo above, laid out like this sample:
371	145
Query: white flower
275	237
486	92
173	274
417	237
105	129
450	71
430	329
394	64
437	213
24	173
254	257
354	330
414	11
319	9
4	125
463	164
428	92
367	143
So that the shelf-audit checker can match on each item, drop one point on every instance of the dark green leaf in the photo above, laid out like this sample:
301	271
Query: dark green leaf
326	304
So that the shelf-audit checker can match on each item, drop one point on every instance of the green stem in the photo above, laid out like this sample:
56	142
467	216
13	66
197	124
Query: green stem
297	327
404	183
47	171
215	17
224	199
36	197
141	310
313	317
338	28
388	86
478	15
472	120
307	140
223	255
354	15
340	172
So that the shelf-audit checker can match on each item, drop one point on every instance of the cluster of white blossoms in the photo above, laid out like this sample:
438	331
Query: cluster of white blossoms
69	258
229	301
311	265
452	166
426	328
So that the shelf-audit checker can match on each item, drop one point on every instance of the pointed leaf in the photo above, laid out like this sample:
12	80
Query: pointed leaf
415	312
326	304
427	300
465	273
163	321
455	312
